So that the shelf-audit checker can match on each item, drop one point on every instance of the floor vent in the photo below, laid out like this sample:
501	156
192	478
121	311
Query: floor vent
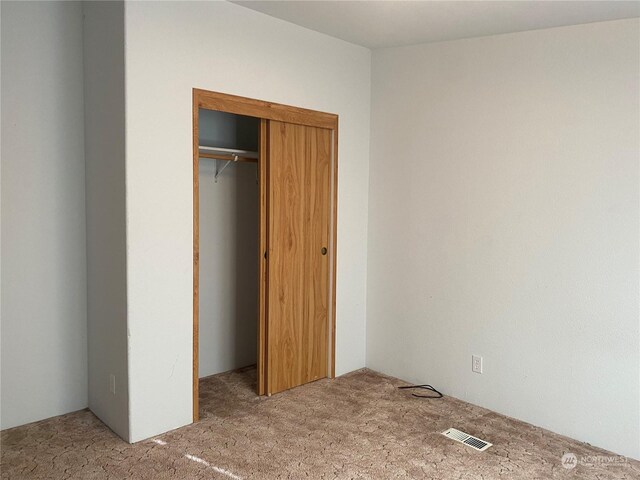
467	439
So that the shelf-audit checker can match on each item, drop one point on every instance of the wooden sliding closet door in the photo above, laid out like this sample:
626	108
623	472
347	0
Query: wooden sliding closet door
299	189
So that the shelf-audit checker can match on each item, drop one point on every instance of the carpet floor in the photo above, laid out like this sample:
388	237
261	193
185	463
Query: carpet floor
358	426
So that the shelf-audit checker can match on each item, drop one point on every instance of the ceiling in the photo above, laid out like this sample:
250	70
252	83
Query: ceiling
380	24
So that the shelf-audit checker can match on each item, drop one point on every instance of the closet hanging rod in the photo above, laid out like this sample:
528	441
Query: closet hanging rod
229	154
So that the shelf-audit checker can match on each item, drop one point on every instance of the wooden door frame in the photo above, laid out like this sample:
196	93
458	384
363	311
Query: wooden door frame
265	111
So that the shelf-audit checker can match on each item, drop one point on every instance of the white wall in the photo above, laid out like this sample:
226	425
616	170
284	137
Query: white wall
170	49
504	221
44	333
105	207
229	238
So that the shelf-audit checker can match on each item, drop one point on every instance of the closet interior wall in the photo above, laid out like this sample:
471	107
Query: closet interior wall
229	238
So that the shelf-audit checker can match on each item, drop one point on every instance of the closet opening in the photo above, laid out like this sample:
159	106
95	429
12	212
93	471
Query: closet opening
264	242
229	221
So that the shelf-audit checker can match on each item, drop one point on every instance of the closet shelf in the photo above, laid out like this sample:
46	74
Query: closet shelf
227	155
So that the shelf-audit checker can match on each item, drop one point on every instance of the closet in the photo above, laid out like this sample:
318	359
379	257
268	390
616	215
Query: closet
229	235
267	295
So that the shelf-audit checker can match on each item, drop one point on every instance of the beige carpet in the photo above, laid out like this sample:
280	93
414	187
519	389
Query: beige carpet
357	426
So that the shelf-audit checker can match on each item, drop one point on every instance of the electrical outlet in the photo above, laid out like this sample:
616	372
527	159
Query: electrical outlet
112	383
476	363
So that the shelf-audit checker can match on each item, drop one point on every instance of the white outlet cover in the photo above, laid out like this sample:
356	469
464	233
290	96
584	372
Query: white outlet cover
476	363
